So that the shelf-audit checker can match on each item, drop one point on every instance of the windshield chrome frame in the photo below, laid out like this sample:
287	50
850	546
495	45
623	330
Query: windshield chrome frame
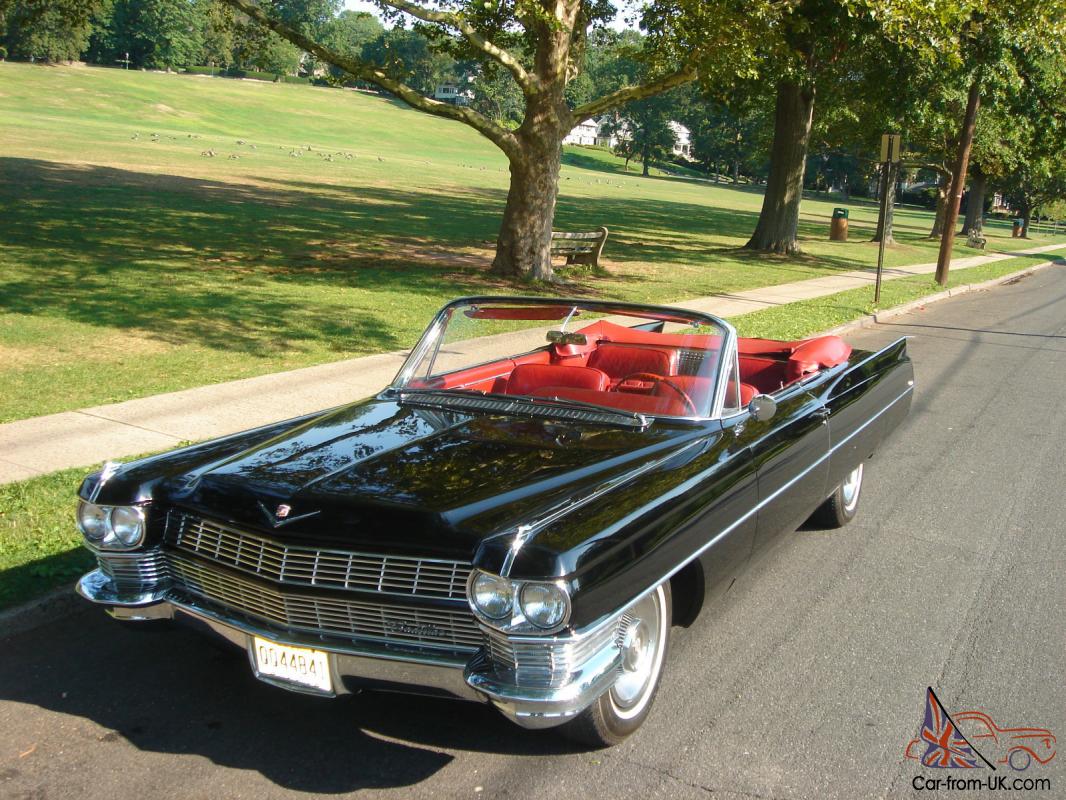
433	334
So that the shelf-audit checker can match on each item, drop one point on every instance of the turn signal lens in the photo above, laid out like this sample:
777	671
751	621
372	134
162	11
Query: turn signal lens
544	604
492	595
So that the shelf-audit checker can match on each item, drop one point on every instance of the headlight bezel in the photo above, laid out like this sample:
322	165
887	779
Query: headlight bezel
515	620
110	539
561	595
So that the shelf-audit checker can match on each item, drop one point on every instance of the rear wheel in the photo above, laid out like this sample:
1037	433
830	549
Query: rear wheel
841	506
622	709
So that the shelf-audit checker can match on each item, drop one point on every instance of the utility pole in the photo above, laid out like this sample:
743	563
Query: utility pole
958	181
891	148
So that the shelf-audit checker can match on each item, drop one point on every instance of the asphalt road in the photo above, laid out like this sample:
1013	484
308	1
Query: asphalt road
807	680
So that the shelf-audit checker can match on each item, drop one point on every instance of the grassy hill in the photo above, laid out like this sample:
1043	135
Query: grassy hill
328	224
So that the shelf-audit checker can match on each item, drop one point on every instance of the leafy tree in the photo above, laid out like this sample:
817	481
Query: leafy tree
542	47
408	56
803	49
50	30
729	136
156	34
644	132
351	31
217	33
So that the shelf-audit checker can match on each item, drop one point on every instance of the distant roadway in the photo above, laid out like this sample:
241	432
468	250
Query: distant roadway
806	681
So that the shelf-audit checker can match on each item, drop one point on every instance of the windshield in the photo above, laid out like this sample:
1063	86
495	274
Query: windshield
630	359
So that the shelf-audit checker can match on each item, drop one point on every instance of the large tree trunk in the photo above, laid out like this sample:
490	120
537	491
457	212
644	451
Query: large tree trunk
645	160
736	171
941	205
975	203
523	247
888	190
1027	217
524	242
776	230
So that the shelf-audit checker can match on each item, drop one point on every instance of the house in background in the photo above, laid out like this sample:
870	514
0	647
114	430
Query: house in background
683	145
606	132
451	93
587	133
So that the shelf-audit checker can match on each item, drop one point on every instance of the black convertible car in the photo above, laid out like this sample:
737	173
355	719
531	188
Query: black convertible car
546	488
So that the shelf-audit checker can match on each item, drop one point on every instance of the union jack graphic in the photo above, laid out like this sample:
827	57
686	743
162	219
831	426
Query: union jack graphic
946	747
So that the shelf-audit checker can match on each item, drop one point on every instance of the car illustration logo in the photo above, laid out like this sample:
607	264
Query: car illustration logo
964	739
282	515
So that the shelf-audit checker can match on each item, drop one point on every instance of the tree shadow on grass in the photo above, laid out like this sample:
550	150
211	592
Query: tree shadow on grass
256	268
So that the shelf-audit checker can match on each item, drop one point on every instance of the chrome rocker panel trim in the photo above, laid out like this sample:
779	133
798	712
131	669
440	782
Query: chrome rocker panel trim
380	667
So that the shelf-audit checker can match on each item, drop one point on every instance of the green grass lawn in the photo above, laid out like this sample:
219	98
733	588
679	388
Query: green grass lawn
132	266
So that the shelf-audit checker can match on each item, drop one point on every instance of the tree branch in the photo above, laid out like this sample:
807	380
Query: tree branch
527	82
629	93
499	136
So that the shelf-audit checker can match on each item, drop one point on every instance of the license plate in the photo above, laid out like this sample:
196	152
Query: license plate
299	665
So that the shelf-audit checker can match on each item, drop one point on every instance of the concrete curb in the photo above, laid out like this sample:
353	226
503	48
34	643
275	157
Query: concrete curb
868	320
63	601
58	603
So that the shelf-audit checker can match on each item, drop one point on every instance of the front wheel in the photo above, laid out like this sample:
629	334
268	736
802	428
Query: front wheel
841	506
622	709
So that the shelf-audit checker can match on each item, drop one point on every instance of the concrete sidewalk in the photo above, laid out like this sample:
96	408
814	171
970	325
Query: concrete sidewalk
77	438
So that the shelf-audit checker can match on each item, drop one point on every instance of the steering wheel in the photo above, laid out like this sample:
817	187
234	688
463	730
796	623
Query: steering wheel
651	376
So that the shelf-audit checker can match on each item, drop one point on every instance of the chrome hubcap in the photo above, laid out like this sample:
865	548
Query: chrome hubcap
640	653
849	489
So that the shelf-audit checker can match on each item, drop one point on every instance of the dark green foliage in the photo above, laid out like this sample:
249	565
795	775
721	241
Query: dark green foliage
48	30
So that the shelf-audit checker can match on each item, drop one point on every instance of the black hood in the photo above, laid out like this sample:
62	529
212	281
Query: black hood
382	476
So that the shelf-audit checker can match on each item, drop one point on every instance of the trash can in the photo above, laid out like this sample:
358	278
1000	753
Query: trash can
1016	230
838	228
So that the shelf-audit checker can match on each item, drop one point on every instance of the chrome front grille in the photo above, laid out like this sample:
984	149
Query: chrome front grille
134	571
426	627
309	566
546	663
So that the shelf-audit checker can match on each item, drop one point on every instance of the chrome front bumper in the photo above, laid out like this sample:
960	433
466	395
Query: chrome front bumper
381	667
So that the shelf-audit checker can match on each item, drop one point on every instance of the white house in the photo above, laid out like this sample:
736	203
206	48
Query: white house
451	93
587	133
600	133
683	145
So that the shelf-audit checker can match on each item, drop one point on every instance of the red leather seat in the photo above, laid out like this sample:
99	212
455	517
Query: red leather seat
618	361
528	378
640	403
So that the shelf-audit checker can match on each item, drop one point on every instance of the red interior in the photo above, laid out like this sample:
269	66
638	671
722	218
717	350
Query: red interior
638	370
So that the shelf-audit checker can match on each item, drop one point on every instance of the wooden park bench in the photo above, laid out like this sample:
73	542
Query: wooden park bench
579	248
976	239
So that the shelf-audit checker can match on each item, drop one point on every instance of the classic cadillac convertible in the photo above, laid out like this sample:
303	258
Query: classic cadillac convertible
544	490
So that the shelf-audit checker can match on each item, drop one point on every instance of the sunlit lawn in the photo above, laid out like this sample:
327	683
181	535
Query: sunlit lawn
131	266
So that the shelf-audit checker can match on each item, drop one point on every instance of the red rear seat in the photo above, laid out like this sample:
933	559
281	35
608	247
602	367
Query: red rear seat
618	361
528	378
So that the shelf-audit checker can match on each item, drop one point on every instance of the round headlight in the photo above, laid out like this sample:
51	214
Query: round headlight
92	521
544	604
492	595
127	523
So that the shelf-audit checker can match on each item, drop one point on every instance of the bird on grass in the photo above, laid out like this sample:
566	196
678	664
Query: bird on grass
208	153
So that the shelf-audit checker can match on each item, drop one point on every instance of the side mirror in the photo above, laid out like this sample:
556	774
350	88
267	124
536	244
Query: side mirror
762	407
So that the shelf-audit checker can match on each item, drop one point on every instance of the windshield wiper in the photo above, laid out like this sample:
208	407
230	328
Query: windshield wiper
515	402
